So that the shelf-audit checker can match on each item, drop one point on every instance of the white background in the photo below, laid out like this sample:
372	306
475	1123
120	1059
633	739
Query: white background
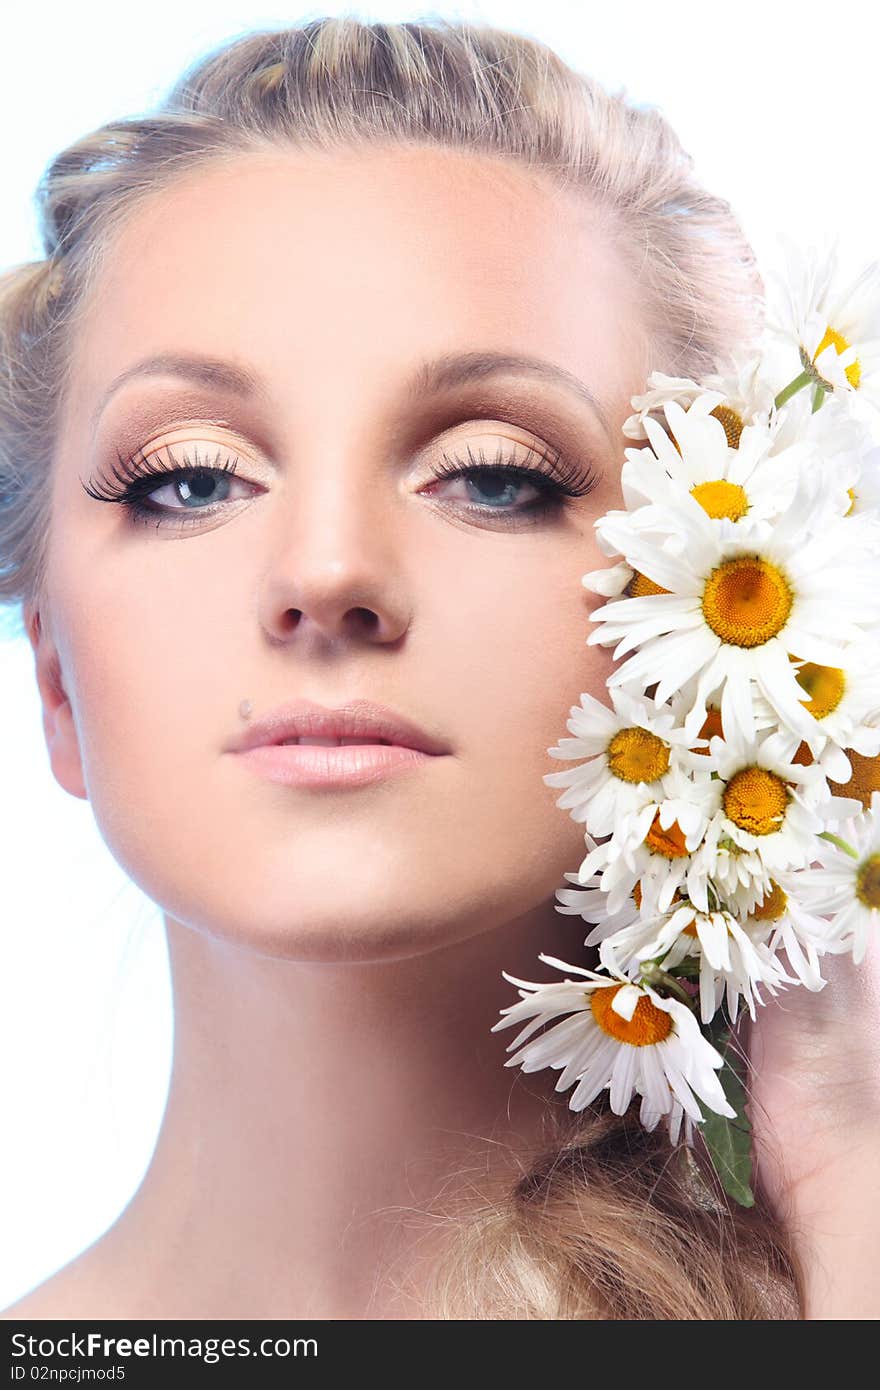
776	102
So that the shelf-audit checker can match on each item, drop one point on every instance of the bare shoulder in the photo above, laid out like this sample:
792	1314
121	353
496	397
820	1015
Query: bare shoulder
40	1303
74	1291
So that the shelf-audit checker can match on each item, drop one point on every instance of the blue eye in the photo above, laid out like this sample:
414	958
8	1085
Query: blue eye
198	482
553	481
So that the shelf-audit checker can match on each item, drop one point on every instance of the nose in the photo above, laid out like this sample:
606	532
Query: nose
336	567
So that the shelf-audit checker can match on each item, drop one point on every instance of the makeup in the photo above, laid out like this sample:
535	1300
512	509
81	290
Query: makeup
343	766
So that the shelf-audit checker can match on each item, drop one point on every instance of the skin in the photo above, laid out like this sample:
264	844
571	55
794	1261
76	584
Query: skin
336	955
815	1112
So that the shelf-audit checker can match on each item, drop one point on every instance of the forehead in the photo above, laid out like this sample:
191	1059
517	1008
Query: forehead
361	260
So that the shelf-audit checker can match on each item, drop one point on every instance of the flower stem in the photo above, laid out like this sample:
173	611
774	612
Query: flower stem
793	387
651	974
818	398
841	844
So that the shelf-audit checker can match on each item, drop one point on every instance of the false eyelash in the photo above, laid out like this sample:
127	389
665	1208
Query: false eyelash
560	478
136	477
133	475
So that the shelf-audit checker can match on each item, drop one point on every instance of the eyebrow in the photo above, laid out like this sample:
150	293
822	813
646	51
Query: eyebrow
213	372
458	369
439	374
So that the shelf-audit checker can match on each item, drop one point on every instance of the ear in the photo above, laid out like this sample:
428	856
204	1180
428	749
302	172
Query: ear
62	739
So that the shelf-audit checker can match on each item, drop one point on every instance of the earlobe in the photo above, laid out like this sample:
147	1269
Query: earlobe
59	727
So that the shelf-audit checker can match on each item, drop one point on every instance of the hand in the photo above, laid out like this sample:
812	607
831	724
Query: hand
815	1111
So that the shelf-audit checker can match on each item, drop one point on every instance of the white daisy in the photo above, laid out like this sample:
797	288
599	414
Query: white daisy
660	389
732	958
630	753
592	905
836	326
841	447
753	964
802	935
690	800
739	888
845	701
859	473
870	460
770	810
654	848
859	787
619	1036
835	432
859	775
766	718
848	886
753	481
611	580
737	398
651	1118
738	605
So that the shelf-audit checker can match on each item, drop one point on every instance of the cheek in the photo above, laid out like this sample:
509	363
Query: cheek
152	678
495	658
516	629
518	662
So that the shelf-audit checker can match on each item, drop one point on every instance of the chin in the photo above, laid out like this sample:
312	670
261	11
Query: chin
334	930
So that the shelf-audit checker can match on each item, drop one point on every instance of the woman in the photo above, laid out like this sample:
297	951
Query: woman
286	329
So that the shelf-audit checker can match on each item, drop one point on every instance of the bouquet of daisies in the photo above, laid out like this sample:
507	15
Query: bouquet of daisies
727	792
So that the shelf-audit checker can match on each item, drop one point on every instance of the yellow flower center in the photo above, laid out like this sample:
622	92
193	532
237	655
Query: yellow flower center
865	778
732	422
635	755
721	498
868	882
711	726
824	685
669	843
746	601
755	800
647	1025
640	586
854	370
852	501
774	906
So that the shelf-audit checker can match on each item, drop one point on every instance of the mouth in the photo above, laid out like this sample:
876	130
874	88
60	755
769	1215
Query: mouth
307	745
358	723
353	742
343	763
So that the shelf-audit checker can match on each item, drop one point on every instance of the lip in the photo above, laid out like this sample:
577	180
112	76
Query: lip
405	745
314	766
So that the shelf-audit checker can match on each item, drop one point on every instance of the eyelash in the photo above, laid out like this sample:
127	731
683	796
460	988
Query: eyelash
557	481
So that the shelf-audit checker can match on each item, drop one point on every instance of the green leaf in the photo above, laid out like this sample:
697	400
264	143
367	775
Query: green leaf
729	1141
687	969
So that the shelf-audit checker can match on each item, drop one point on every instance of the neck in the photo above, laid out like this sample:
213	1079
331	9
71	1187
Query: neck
317	1115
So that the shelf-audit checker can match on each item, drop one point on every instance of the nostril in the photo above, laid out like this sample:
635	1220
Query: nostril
365	616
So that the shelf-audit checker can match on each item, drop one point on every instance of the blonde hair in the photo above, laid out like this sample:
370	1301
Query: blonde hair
609	1221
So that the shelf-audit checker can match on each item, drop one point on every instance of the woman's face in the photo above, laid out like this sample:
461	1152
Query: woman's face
333	564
